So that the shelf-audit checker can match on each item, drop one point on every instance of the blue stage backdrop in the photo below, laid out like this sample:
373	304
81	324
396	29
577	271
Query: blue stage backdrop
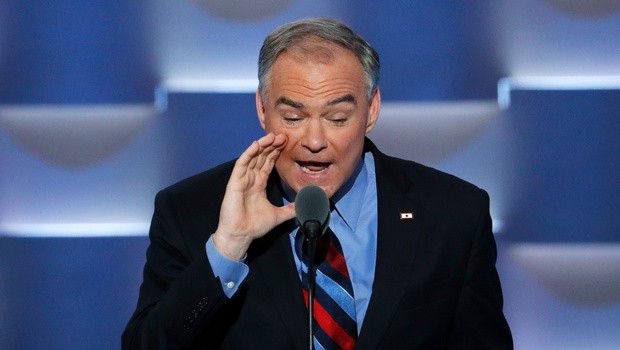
103	103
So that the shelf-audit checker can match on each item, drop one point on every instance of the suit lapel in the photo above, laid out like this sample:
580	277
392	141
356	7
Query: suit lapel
396	244
276	266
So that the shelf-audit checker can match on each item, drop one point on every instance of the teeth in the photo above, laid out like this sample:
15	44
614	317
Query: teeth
308	171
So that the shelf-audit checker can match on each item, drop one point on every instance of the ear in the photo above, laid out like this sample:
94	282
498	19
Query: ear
260	109
374	107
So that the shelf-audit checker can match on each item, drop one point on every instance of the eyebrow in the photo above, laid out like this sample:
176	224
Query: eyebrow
287	101
295	104
345	98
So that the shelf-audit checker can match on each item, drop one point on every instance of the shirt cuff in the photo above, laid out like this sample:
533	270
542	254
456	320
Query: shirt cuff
231	273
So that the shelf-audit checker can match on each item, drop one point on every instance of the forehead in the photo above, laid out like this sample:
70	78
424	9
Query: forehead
318	51
316	70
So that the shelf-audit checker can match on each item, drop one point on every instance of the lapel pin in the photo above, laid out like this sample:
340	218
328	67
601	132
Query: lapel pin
406	216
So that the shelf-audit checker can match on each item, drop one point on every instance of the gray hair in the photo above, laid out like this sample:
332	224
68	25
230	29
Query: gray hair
328	30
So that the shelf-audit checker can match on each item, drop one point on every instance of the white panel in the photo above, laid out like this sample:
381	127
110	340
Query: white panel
427	132
584	274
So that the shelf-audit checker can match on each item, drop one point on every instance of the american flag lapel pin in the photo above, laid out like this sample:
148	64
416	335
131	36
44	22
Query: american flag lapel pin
406	215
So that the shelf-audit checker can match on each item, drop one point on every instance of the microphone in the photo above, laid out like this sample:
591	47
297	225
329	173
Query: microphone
312	210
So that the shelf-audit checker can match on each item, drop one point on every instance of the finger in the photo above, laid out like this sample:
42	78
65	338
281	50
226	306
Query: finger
266	146
266	140
247	159
280	140
268	160
257	147
276	148
270	153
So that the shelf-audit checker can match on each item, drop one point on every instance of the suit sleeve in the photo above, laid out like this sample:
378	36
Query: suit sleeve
479	322
180	298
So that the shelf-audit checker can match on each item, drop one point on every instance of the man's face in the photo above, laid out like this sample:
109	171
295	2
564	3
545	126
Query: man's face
322	108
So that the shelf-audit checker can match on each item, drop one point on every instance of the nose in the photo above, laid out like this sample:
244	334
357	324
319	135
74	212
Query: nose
314	138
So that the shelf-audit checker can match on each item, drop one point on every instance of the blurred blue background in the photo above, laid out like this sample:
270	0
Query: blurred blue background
103	103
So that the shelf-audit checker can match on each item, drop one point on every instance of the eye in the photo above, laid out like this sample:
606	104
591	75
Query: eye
291	118
338	120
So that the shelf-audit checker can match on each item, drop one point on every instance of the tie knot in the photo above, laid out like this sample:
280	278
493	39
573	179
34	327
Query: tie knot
326	243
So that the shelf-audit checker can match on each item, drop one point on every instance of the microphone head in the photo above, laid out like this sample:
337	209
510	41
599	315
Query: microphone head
312	204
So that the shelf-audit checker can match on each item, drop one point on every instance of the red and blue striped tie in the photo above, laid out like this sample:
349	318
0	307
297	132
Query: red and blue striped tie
335	325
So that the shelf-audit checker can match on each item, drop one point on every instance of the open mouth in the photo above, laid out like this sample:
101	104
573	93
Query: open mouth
313	167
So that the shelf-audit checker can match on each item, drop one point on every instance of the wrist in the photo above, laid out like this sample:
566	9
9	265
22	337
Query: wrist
232	247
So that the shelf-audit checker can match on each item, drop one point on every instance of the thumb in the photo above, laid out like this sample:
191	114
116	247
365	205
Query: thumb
285	213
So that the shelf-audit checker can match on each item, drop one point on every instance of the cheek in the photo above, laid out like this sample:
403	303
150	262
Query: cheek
287	152
269	126
349	148
293	140
347	143
287	156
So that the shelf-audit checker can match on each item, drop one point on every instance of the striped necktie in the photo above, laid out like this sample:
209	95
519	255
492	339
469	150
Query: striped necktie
334	324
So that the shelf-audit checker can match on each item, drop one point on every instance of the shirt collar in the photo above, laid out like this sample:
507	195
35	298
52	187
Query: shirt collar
348	200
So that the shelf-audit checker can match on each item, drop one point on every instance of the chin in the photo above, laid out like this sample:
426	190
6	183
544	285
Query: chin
329	190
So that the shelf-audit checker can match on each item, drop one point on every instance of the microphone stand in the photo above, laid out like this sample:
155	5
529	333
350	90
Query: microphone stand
313	230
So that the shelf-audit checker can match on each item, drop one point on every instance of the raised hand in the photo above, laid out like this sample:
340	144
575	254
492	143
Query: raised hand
246	213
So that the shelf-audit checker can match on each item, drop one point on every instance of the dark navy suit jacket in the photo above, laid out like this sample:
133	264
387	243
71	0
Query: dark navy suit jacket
435	286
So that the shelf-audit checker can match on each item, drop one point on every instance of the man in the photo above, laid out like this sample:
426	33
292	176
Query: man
224	269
